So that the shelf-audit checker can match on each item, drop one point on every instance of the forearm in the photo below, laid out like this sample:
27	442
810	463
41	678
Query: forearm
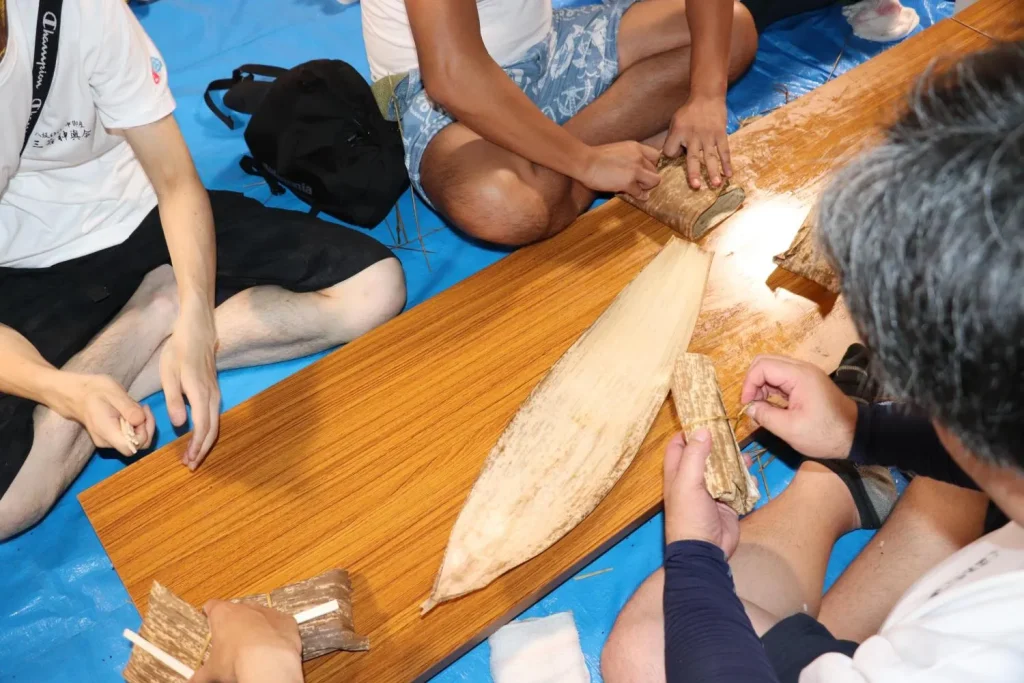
187	220
710	31
484	99
25	372
708	636
890	435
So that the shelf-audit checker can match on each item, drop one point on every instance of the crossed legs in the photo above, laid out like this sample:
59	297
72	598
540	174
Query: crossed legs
500	197
779	567
258	325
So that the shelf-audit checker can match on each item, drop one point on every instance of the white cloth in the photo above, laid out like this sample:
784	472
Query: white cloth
78	188
545	650
509	28
881	21
962	622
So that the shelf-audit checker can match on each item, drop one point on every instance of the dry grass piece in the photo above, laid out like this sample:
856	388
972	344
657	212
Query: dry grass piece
698	401
579	429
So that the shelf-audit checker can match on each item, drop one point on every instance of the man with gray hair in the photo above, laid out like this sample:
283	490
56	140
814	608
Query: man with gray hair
927	234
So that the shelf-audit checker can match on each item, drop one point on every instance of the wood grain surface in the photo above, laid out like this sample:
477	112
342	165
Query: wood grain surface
996	19
363	459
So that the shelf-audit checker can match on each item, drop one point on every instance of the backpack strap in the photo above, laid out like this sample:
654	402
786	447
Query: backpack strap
45	62
246	72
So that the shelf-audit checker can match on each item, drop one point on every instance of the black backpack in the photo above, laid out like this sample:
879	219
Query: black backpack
316	129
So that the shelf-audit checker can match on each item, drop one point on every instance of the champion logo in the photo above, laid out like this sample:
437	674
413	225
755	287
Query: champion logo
49	23
156	66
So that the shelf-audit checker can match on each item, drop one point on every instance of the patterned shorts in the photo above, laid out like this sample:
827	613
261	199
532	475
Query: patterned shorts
561	75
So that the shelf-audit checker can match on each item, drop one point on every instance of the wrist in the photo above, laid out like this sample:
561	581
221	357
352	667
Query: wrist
847	428
58	391
582	161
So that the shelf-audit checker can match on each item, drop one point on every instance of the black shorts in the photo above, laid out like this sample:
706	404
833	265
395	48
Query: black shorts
60	308
796	641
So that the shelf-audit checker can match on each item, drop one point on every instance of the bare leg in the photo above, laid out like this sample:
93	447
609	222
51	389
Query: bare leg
779	569
61	447
501	197
932	521
268	324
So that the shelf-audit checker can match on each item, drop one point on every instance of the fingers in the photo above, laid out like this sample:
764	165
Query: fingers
647	178
149	429
109	435
693	153
776	420
674	141
204	675
651	154
768	373
723	153
712	162
172	391
129	409
673	456
199	399
211	436
693	459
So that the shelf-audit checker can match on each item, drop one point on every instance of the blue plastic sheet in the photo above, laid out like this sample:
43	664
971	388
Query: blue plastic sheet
62	607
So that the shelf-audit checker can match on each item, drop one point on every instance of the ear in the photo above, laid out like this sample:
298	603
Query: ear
952	443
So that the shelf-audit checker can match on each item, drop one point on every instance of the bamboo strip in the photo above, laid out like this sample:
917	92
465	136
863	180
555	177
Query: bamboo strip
698	402
579	429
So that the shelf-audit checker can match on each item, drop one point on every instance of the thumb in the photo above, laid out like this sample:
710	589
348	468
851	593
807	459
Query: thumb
694	458
673	456
771	417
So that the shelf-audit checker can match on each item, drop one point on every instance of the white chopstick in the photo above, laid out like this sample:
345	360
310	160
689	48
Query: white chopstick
187	673
318	611
160	655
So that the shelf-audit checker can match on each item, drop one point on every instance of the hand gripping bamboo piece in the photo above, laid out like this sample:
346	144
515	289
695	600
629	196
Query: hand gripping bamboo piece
804	258
698	402
182	632
579	429
691	213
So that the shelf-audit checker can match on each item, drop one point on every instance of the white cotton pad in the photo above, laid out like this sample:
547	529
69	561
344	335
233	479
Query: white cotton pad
545	650
881	21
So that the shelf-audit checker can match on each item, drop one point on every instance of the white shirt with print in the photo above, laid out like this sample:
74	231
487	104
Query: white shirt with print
78	187
963	622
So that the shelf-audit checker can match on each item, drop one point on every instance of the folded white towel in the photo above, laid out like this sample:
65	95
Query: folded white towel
545	650
881	20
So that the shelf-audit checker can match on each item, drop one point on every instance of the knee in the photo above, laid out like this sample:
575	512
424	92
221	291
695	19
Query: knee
19	512
743	41
509	209
628	652
368	299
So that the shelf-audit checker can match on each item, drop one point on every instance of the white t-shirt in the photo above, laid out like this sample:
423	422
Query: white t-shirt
78	188
963	622
509	28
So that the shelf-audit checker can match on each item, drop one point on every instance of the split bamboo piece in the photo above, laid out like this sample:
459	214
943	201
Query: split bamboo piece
804	257
182	632
579	429
129	434
691	213
698	402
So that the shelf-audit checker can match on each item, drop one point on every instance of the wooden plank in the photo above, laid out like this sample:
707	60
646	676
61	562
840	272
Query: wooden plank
363	459
997	19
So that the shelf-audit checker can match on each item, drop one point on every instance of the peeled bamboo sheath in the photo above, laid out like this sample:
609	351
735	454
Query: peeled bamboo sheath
804	258
691	213
698	401
579	429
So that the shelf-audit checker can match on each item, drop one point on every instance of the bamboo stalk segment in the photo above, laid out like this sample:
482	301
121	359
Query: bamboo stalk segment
579	429
182	632
804	258
691	213
698	401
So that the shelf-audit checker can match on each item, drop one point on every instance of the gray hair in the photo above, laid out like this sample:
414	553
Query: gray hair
927	234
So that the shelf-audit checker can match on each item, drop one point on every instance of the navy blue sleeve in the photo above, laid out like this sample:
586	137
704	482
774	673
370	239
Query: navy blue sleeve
888	434
708	637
